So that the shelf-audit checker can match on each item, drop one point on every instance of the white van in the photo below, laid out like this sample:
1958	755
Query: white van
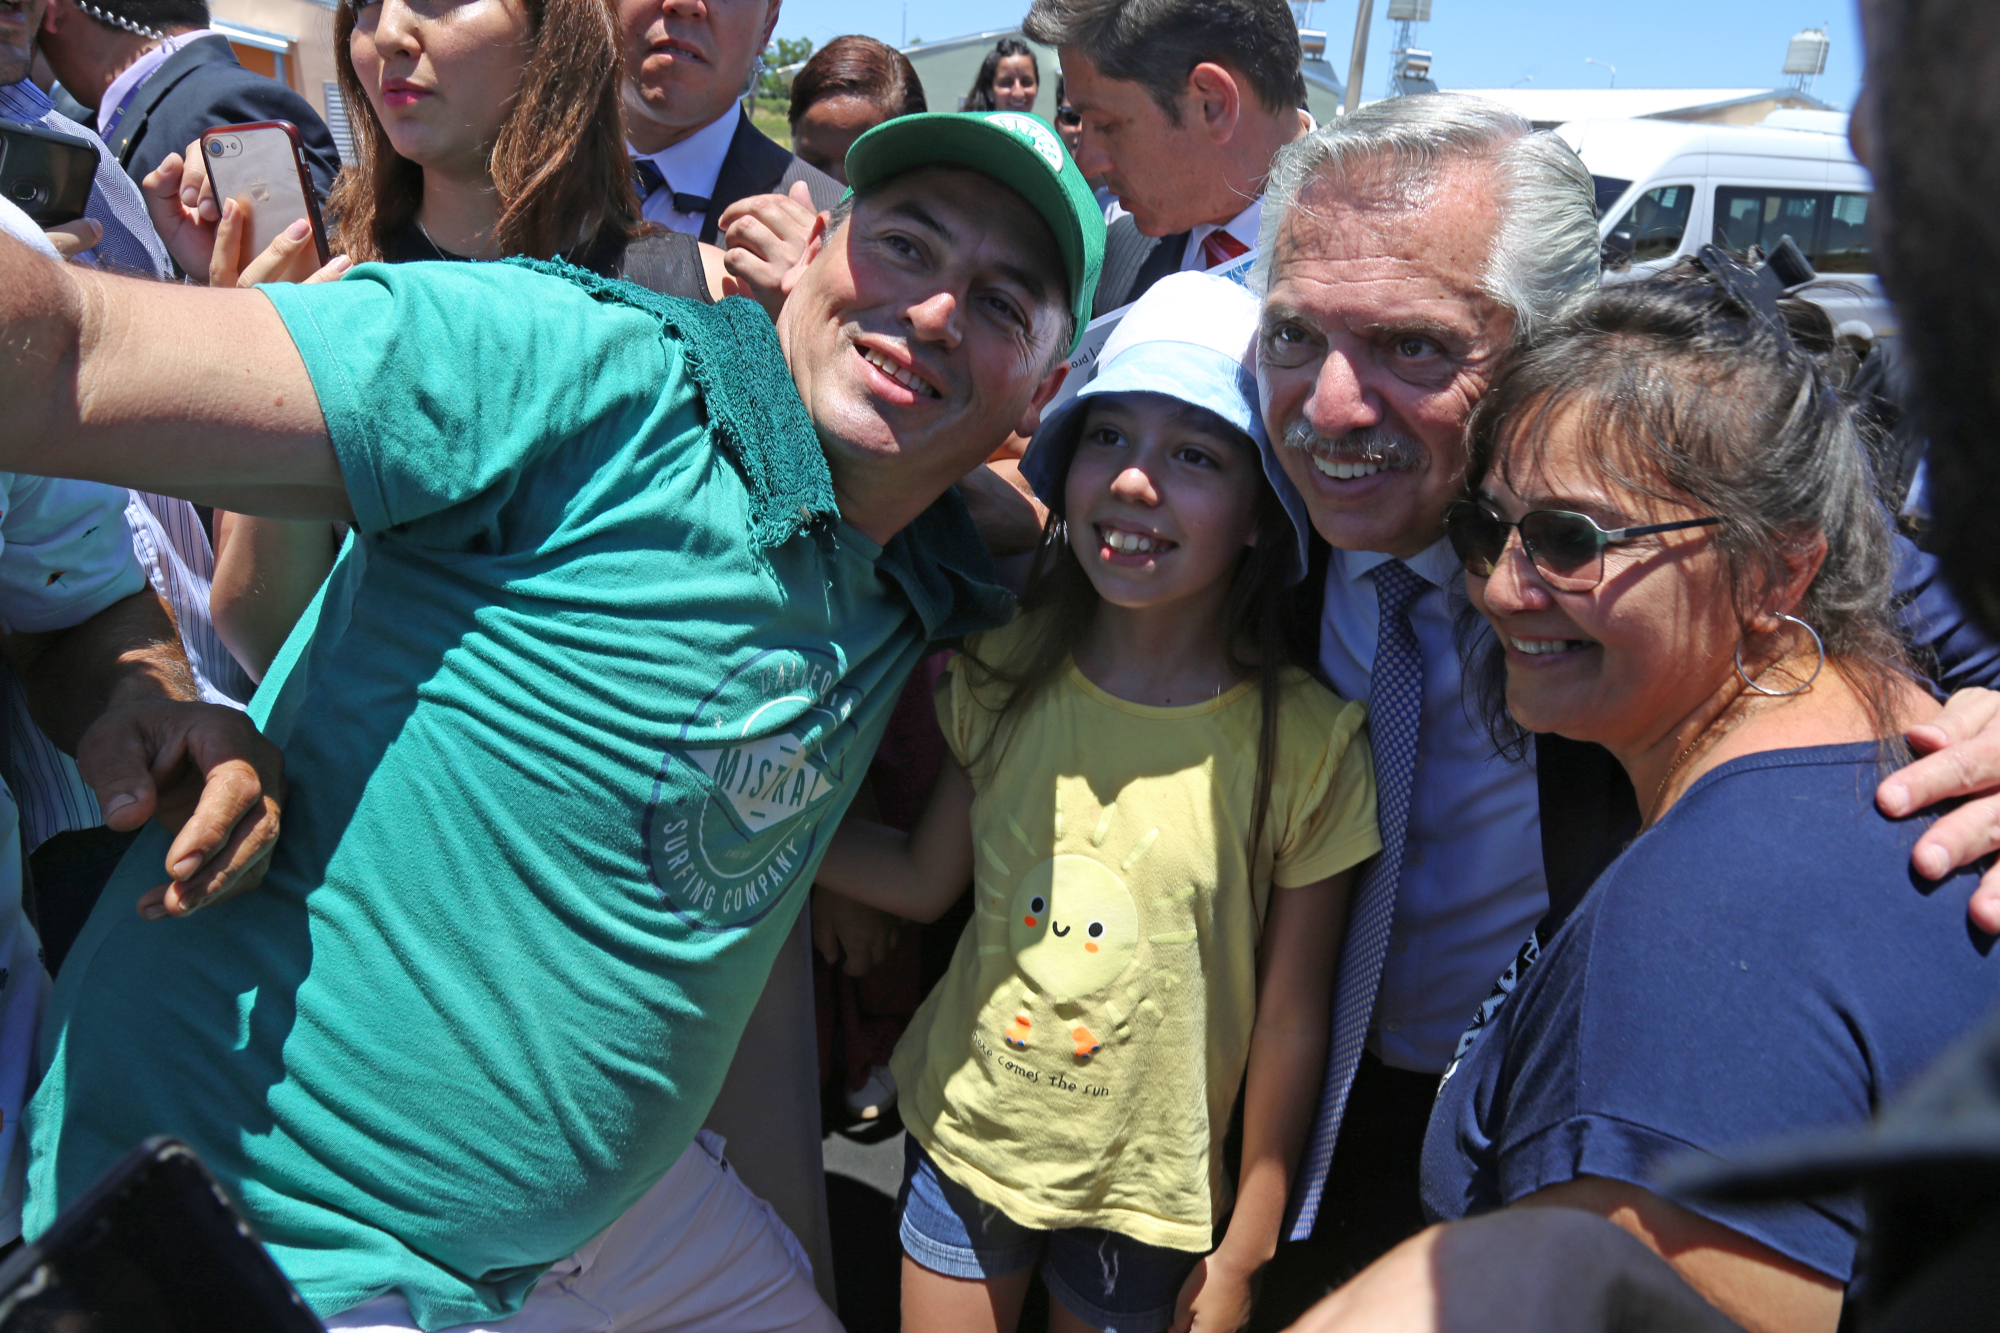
1665	189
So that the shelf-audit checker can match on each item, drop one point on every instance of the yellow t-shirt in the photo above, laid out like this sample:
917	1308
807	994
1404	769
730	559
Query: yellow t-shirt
1078	1063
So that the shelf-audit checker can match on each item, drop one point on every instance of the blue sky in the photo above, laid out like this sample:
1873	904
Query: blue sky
1483	43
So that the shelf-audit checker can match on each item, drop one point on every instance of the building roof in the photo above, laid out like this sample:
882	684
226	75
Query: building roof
1553	106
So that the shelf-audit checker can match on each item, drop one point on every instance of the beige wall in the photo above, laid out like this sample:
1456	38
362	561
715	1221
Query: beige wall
308	23
1743	113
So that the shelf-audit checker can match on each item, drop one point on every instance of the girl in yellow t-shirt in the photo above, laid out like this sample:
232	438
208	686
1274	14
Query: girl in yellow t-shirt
1159	814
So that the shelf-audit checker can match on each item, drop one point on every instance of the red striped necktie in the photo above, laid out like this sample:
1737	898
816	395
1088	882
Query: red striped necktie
1219	247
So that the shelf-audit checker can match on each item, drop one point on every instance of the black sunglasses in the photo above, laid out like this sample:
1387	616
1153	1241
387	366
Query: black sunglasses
1567	549
1068	117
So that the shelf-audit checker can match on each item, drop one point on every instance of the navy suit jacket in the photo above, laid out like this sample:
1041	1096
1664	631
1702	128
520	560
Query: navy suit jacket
1589	811
759	164
201	86
1133	262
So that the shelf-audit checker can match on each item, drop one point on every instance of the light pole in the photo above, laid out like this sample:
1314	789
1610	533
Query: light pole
1592	60
1358	63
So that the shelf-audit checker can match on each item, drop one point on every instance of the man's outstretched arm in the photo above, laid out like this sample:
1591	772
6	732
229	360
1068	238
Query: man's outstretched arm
186	391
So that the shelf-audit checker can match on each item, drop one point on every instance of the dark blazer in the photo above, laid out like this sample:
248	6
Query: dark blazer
201	86
758	164
1133	263
1589	811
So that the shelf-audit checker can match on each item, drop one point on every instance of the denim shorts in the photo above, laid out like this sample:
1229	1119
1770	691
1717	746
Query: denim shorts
1109	1281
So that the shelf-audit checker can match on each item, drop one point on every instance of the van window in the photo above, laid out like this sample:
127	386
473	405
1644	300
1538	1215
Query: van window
1831	228
1844	247
1652	228
1609	191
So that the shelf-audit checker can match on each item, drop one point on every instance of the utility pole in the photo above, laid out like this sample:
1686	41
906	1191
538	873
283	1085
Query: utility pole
1358	65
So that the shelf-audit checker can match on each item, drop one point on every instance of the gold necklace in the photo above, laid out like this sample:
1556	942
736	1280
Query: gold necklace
1671	768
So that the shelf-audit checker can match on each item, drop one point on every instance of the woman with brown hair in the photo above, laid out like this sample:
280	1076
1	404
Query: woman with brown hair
851	85
1008	79
483	129
486	128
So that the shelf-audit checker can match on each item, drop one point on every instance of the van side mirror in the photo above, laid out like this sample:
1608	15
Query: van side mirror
1790	264
1617	252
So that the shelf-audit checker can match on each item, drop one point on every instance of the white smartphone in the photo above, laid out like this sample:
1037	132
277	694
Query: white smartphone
265	163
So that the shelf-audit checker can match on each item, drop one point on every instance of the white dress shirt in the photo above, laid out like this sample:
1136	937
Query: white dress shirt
1472	887
691	166
1243	227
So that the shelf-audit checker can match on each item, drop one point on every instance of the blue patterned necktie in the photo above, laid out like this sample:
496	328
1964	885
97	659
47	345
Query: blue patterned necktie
647	177
1395	703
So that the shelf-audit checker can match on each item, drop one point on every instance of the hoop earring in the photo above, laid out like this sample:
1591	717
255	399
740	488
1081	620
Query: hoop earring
1818	666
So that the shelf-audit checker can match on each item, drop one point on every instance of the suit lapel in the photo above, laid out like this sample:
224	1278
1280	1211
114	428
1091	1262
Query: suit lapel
1163	262
755	164
206	51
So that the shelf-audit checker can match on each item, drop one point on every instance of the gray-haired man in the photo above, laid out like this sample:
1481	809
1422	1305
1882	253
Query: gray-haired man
1406	251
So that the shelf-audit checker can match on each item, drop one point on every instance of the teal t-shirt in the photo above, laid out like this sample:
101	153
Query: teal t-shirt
565	733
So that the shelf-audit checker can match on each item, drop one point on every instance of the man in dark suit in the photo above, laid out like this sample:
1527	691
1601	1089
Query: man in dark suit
688	64
1183	106
150	77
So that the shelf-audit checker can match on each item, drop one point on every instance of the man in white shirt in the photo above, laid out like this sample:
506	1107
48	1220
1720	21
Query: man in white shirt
688	64
1183	109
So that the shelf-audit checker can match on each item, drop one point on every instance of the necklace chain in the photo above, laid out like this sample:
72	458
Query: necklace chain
425	232
1673	768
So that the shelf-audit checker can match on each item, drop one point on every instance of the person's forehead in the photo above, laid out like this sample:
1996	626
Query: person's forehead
1350	249
1088	88
972	211
844	111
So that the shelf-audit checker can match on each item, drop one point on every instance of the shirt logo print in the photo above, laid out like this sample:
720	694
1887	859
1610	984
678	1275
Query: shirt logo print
740	796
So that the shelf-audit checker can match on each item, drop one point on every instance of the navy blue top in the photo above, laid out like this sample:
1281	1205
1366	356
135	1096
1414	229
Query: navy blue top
1760	963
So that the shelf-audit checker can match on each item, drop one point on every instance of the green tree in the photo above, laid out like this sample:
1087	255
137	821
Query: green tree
782	60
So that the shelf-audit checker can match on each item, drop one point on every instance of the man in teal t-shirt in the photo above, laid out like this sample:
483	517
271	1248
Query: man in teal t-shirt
635	585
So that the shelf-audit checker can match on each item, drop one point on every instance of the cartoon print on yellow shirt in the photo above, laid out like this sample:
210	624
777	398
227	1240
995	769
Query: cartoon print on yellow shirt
1073	928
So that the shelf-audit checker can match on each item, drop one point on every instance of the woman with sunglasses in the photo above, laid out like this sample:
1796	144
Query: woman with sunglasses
1672	534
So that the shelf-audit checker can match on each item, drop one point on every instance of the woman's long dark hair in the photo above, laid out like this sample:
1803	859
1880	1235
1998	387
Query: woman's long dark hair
1689	396
559	164
1256	630
981	96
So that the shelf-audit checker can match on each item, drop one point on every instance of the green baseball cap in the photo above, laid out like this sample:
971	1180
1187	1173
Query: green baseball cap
1020	151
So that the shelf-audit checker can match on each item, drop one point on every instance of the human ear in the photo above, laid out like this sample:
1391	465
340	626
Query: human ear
1031	418
1215	99
1803	558
771	21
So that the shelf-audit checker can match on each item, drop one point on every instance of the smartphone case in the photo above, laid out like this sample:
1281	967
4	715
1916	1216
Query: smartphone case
153	1247
264	162
45	174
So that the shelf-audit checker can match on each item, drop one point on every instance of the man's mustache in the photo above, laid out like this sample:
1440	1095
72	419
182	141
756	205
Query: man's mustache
1383	446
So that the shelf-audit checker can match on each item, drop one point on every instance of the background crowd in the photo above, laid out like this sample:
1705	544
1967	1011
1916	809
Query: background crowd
1656	849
